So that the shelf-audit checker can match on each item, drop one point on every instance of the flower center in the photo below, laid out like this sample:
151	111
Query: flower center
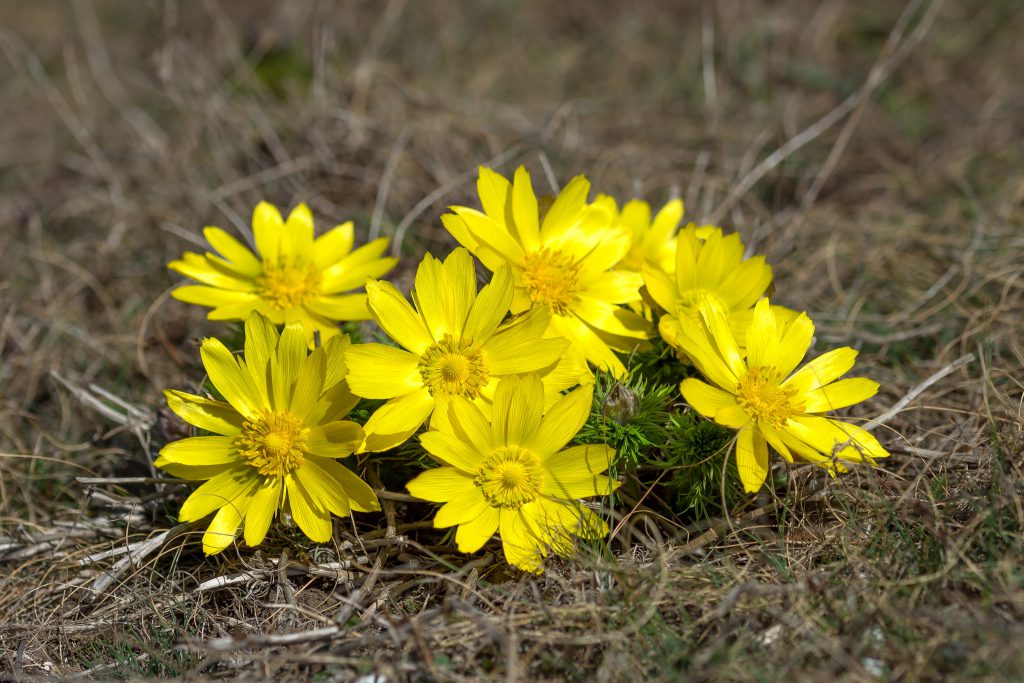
288	285
452	367
550	279
510	477
689	303
273	443
761	397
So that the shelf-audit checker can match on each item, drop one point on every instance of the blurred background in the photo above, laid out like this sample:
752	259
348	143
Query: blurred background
872	149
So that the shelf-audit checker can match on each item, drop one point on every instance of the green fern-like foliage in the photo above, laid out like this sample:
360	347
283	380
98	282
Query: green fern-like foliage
629	415
700	466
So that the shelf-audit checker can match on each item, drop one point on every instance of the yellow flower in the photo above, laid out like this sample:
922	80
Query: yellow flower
453	344
277	438
561	260
653	241
766	401
291	277
709	267
510	474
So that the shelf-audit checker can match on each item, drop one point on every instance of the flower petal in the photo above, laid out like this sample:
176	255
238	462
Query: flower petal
231	381
397	420
839	394
518	402
472	534
262	507
441	484
451	450
313	519
563	421
396	317
577	472
217	492
751	458
213	416
379	371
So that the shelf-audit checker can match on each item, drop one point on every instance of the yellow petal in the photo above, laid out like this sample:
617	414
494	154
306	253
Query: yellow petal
751	459
333	245
201	450
313	519
349	273
217	492
447	448
471	425
461	508
379	371
762	336
717	323
525	210
203	270
192	472
284	365
616	287
213	416
322	488
564	214
610	318
441	484
397	420
577	472
472	534
522	548
261	337
518	403
836	439
563	421
589	344
713	403
396	317
491	306
262	508
204	295
826	368
224	527
241	258
494	191
491	236
839	394
267	226
361	497
796	339
342	307
231	381
337	439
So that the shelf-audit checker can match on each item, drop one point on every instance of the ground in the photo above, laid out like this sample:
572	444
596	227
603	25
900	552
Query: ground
872	150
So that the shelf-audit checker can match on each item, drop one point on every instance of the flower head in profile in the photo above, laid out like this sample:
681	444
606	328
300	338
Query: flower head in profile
291	277
562	261
276	439
709	266
453	344
512	473
653	240
769	403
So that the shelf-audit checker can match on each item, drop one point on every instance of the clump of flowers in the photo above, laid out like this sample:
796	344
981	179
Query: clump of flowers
276	438
510	472
494	386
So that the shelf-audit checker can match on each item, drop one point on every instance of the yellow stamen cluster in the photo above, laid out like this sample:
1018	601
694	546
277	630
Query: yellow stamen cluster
453	367
549	277
510	477
273	443
761	396
288	285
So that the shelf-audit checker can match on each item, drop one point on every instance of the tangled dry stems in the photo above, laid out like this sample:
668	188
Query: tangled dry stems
897	225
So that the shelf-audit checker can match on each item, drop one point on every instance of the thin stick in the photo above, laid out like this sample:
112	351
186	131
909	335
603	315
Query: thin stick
918	390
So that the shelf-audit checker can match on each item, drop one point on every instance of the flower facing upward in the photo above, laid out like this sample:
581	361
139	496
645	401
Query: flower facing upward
766	401
510	474
276	438
653	241
292	277
453	344
709	267
561	261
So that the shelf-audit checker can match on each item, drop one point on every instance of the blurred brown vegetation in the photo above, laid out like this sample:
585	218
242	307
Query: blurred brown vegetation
871	149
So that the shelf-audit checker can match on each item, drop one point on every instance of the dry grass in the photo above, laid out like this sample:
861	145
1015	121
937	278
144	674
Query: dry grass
896	221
